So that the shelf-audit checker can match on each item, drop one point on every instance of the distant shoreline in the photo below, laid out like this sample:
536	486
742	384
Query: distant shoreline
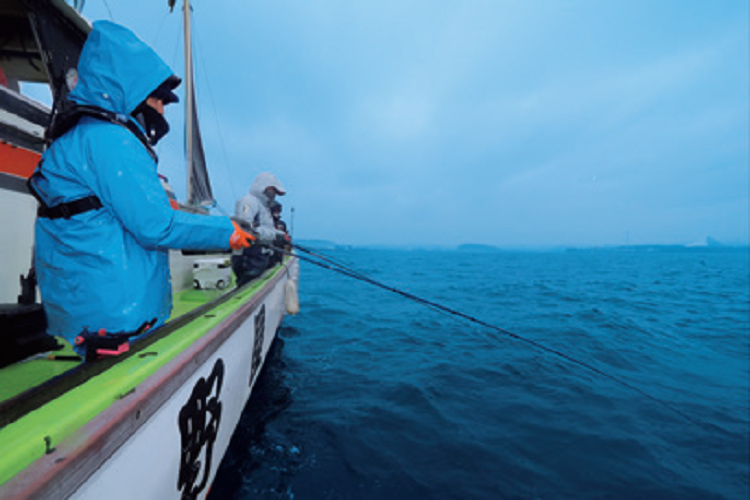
482	248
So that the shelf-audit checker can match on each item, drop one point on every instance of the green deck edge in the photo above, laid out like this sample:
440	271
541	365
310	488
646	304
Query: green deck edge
28	438
20	377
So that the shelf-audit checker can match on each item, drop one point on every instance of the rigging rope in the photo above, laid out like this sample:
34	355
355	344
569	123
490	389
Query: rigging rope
203	71
106	4
333	265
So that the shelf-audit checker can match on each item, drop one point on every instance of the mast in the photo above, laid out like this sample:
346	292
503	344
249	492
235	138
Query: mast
189	104
199	191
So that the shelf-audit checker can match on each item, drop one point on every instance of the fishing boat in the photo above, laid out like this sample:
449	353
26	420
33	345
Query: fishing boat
155	421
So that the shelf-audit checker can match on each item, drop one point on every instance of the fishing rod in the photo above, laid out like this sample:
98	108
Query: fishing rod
332	265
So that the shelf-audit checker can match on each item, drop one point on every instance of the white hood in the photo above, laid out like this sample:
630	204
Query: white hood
264	180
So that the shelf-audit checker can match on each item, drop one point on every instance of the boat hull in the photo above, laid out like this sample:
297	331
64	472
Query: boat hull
166	437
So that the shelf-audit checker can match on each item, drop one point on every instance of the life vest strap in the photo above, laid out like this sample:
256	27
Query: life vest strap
69	209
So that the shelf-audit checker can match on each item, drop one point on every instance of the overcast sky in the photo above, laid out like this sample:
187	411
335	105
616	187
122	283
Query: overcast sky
539	122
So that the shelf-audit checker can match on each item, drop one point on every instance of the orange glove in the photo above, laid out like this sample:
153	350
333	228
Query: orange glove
240	239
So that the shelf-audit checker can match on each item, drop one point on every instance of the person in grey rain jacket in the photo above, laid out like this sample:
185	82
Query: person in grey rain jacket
255	209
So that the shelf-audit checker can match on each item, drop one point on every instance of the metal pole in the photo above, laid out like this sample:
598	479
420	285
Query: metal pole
188	99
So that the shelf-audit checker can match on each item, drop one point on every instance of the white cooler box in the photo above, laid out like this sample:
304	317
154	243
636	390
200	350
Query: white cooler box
212	273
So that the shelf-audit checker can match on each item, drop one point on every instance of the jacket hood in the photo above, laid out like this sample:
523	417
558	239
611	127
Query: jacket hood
264	180
117	71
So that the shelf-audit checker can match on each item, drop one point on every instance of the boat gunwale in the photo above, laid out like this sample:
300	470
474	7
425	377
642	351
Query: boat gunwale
79	454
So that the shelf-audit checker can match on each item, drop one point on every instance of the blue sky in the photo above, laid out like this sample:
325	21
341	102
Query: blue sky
568	122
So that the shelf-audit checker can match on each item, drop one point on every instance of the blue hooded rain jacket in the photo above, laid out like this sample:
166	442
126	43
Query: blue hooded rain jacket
109	268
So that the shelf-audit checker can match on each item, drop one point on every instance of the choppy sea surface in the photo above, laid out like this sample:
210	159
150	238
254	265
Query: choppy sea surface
369	395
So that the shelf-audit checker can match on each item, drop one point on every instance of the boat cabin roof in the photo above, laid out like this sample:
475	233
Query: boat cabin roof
40	43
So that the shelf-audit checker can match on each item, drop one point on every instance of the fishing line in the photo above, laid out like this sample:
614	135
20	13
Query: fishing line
220	209
328	259
344	270
364	276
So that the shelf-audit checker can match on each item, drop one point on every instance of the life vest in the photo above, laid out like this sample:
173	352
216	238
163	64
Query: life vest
63	122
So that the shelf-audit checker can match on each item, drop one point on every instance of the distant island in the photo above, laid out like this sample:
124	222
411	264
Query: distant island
477	247
704	245
708	242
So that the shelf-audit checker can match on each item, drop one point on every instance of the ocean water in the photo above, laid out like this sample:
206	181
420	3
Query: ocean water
369	395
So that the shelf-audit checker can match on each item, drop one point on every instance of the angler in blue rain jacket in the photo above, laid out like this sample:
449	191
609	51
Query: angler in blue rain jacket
108	267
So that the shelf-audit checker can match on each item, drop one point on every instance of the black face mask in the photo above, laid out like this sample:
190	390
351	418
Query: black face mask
152	121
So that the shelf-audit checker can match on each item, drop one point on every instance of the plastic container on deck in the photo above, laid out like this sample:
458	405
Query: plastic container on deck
212	273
